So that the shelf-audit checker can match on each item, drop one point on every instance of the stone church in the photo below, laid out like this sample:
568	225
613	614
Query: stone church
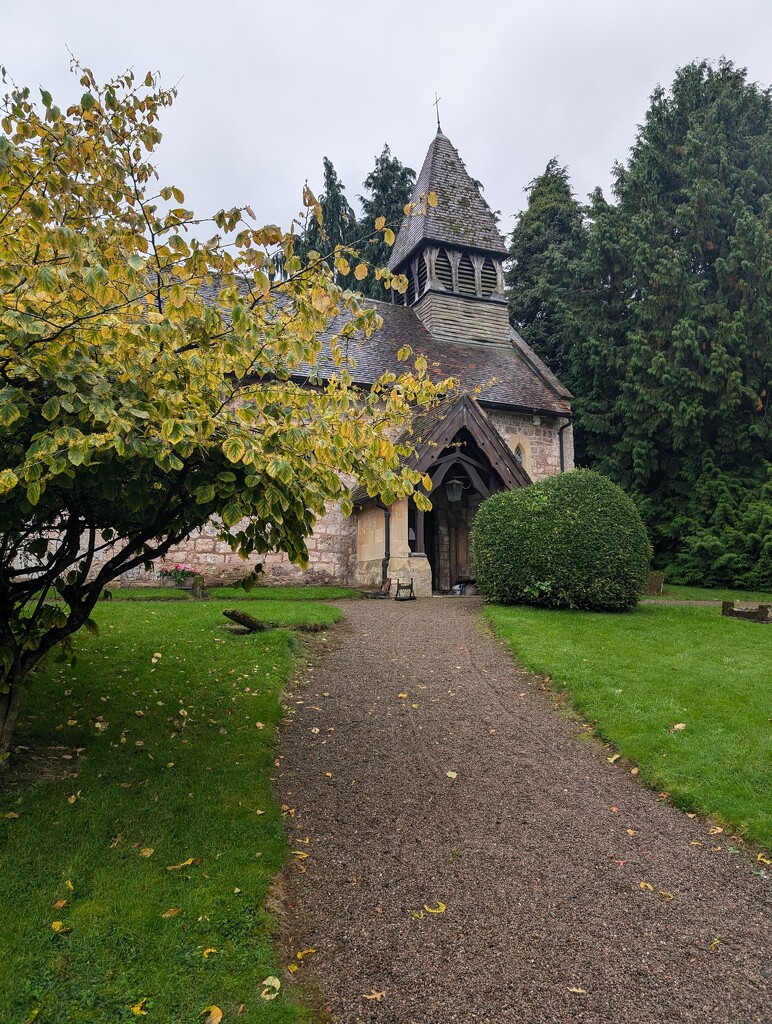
508	424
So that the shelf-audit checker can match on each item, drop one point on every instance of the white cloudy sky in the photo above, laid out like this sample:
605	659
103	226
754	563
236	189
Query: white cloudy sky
266	89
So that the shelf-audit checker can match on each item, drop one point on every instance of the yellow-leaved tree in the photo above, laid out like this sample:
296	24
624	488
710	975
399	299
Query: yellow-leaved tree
150	382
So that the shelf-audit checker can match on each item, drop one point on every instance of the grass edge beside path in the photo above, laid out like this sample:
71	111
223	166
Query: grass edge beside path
140	835
638	676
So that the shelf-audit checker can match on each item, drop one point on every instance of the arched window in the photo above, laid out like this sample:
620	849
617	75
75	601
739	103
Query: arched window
489	277
444	273
519	454
466	281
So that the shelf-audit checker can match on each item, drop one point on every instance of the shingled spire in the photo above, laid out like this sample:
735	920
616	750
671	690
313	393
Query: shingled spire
452	253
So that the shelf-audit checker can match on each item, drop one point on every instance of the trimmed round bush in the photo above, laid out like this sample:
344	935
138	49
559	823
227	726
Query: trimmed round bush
572	541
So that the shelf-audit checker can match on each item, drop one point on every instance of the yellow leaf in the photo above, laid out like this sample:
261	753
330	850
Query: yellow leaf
407	209
452	775
646	885
299	854
715	831
171	912
12	815
360	271
60	927
389	237
215	1014
147	852
380	223
68	885
431	198
402	695
59	904
271	986
439	909
138	1009
668	895
679	727
292	968
207	952
374	994
631	832
304	952
176	867
613	758
578	991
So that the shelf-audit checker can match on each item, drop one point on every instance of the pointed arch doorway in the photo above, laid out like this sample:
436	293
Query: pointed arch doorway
467	460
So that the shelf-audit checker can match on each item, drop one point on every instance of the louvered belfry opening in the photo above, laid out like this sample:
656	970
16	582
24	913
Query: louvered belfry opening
410	295
466	281
444	272
422	275
489	278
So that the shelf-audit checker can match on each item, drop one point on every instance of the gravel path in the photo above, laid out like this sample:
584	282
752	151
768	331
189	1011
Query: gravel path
537	848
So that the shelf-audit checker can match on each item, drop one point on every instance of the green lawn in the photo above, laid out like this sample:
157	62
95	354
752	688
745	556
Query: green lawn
636	676
153	753
672	592
235	594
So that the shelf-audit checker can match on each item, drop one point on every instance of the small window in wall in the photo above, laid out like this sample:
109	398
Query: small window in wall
519	454
466	281
444	273
489	277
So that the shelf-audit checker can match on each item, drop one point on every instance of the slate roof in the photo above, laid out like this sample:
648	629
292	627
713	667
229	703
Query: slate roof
522	381
461	217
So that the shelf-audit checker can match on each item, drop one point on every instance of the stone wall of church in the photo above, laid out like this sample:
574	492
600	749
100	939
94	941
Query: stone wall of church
538	439
331	557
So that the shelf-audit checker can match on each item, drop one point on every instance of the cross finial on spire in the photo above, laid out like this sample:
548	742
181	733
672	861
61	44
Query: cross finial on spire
436	104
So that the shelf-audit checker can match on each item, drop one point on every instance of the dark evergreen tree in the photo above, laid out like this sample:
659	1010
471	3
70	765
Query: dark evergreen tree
547	237
338	226
673	371
389	187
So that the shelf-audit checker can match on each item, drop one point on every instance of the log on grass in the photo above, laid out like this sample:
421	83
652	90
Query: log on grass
248	621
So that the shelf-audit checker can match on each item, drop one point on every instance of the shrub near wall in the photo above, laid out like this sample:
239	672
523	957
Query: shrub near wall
572	541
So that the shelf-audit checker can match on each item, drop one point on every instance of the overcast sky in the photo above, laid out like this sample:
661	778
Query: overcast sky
266	89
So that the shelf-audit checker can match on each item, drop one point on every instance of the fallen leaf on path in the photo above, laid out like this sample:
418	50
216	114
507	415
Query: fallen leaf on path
715	943
691	815
578	991
695	843
614	809
300	854
215	1014
271	986
611	760
633	771
666	894
374	994
138	1009
439	909
631	832
418	915
292	968
715	831
646	885
402	696
315	730
452	775
304	952
762	859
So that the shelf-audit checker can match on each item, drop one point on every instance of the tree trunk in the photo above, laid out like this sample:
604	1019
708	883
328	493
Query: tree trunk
9	712
248	621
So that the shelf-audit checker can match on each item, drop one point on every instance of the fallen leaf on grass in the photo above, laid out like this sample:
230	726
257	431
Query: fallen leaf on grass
68	885
271	986
138	1009
259	725
208	952
59	904
679	727
577	991
60	928
646	885
215	1014
176	867
147	852
171	912
439	909
374	994
12	815
301	953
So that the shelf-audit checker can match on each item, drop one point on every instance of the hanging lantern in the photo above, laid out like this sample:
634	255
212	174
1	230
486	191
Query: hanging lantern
454	489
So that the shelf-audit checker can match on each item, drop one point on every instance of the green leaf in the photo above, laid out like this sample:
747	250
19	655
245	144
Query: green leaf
51	409
87	101
204	494
33	492
234	449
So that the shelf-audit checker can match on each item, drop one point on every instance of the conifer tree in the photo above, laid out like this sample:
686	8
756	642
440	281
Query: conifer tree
389	186
338	224
673	371
548	235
